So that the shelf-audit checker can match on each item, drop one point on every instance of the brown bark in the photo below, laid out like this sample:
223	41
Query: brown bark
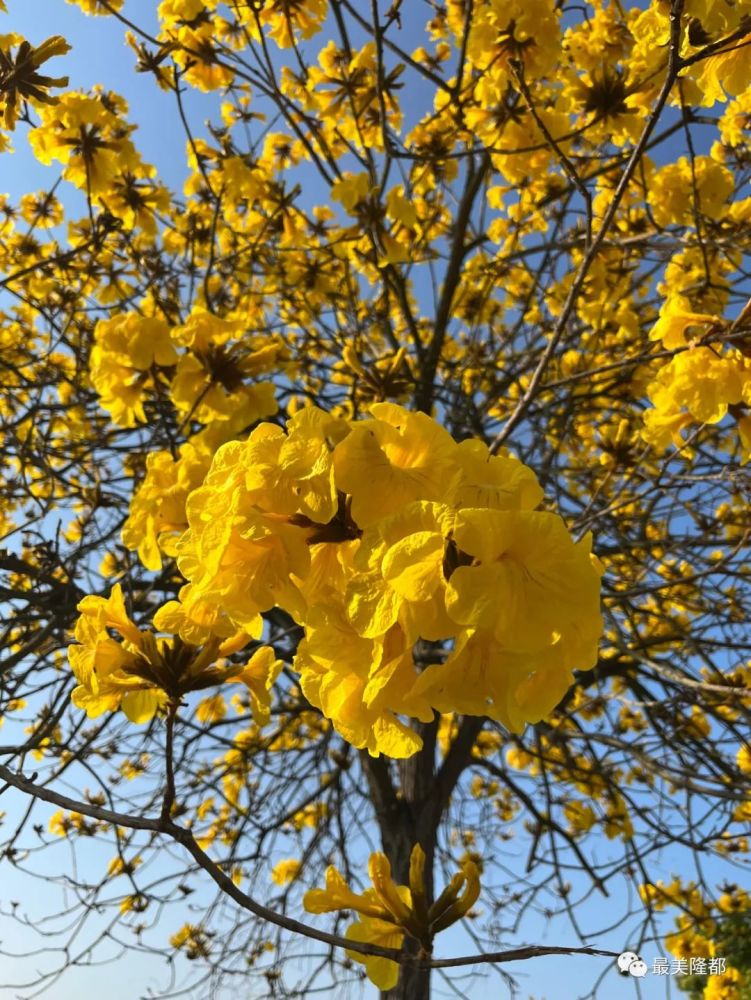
409	813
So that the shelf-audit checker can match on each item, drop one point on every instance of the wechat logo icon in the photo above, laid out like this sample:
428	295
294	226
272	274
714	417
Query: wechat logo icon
629	964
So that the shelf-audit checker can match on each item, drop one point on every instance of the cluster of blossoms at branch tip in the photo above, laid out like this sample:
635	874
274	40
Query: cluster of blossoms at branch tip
388	912
511	244
703	382
389	541
20	79
206	366
142	673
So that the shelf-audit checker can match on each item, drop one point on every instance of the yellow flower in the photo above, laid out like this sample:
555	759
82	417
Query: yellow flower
734	900
724	73
242	567
401	564
527	582
109	612
382	972
506	30
43	210
188	27
388	911
111	674
727	986
193	940
126	347
481	677
360	683
500	482
285	871
211	378
361	531
338	896
698	384
675	319
66	824
144	673
667	190
91	140
97	7
393	459
286	18
258	675
350	95
21	81
661	428
196	623
157	511
119	866
290	473
581	817
351	190
211	709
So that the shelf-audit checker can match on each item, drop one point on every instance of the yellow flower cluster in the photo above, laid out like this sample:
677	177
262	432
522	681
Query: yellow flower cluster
157	511
703	931
20	79
211	380
125	351
345	80
209	363
698	386
388	911
141	673
383	537
194	941
89	136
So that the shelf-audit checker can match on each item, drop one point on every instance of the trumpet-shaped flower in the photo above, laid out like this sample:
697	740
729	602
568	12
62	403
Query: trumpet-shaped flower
528	580
393	459
360	683
676	317
157	512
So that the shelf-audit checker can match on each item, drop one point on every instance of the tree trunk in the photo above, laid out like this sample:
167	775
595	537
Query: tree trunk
402	821
409	813
414	980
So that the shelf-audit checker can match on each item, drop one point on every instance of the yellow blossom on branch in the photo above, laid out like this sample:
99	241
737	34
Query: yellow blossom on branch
20	79
143	673
389	911
341	525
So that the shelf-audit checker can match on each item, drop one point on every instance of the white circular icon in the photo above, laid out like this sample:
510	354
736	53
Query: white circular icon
625	959
638	969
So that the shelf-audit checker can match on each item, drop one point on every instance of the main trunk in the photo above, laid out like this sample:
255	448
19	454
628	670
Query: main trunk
414	983
409	812
404	820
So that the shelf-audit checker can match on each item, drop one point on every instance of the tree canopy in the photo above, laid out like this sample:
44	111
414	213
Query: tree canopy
373	499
